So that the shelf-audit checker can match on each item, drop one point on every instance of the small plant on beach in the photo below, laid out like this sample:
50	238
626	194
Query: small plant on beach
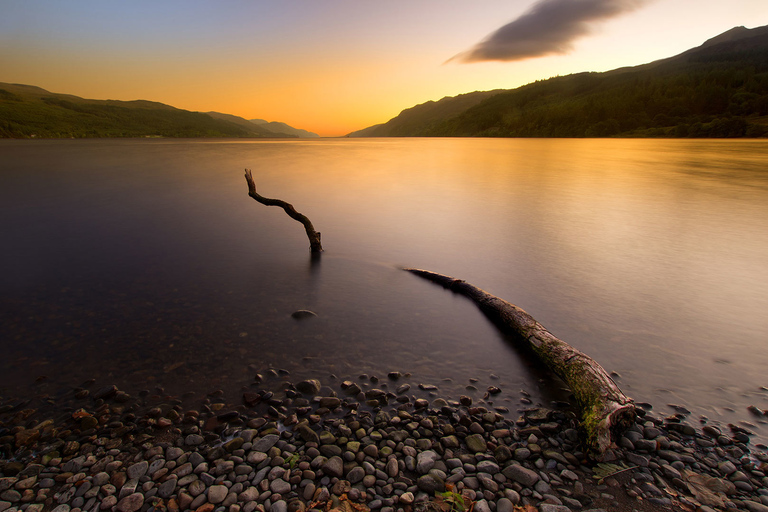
450	501
605	469
292	460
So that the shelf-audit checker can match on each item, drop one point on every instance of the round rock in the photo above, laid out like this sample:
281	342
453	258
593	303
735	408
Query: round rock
130	503
217	493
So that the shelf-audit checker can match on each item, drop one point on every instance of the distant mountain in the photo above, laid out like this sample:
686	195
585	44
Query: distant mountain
278	127
719	89
424	117
28	111
246	124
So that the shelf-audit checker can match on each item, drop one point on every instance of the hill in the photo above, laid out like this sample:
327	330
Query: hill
28	111
278	127
424	117
719	89
246	124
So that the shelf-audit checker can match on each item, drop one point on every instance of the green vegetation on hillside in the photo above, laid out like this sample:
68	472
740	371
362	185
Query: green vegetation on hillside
28	111
278	127
717	90
425	117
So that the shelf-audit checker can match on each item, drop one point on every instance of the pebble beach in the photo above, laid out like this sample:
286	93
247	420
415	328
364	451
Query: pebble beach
354	446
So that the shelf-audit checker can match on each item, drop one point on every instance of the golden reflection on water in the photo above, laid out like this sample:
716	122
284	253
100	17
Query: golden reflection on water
648	255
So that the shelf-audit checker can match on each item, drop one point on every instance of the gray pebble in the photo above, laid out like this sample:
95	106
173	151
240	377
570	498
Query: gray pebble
217	493
522	475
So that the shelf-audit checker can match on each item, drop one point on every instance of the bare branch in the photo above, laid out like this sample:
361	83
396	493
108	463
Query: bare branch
314	236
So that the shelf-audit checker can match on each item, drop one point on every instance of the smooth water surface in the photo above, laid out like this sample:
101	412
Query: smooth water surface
144	263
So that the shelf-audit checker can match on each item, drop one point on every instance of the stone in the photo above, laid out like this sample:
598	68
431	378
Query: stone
476	443
522	454
488	482
265	443
726	468
130	503
11	495
426	461
108	502
393	469
356	475
309	386
280	486
753	506
249	494
330	402
487	466
333	467
193	440
138	470
450	441
217	493
521	475
430	483
308	435
233	444
105	392
637	459
505	505
167	488
550	507
512	496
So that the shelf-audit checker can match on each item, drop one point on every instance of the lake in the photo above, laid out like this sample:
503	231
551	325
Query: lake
144	263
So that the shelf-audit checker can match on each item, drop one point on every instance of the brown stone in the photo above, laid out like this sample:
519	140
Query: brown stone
27	437
130	503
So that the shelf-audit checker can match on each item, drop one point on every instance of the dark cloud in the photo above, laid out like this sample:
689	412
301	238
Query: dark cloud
549	27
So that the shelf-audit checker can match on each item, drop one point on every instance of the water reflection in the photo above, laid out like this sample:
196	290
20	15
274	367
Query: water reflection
126	258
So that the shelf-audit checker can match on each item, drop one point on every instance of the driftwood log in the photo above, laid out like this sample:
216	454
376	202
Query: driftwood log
314	236
605	410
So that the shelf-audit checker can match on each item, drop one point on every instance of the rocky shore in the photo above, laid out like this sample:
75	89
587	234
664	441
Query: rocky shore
368	444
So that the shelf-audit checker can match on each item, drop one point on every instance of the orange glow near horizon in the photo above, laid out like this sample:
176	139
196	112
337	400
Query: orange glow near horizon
328	68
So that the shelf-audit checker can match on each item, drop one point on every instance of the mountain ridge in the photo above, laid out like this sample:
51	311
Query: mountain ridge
29	111
718	89
280	127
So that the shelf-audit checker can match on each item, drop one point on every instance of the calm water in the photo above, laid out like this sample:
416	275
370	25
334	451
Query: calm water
145	263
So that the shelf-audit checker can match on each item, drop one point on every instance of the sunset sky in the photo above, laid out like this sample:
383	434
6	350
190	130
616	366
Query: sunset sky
335	66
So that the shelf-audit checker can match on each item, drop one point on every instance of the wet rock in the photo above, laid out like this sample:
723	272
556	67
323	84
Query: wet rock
309	386
303	314
265	443
104	393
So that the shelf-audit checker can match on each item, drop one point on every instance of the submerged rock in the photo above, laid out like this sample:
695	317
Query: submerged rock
302	314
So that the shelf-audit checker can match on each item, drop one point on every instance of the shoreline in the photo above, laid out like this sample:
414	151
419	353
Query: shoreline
310	446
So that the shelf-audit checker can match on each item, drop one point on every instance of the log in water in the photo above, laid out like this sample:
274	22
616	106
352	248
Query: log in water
605	410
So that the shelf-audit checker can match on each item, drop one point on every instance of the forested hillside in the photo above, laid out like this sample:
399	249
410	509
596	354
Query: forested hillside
719	89
27	111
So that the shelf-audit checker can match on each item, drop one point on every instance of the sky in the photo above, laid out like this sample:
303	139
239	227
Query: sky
336	66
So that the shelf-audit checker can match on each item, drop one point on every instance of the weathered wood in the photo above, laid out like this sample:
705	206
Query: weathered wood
314	236
605	410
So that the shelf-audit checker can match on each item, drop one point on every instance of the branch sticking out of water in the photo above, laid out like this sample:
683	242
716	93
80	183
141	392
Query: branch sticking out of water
314	236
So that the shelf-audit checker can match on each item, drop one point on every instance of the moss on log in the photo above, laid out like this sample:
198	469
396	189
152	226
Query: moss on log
605	410
314	236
